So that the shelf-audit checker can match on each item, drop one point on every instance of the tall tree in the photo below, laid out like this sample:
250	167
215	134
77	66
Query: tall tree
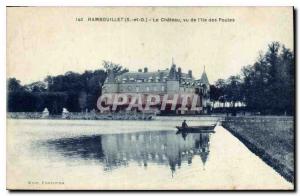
214	94
117	69
36	87
233	91
269	82
14	85
220	85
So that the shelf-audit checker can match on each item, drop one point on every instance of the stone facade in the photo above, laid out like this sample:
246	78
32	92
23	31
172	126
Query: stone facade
161	82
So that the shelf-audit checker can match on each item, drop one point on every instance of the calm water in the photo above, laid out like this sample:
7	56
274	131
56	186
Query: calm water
131	155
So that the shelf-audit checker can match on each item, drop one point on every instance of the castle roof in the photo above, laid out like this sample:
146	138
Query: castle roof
204	78
143	75
160	75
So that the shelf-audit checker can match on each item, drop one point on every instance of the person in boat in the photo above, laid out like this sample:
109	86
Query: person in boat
184	125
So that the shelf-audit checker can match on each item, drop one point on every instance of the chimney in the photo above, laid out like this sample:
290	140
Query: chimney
179	71
140	70
145	70
190	73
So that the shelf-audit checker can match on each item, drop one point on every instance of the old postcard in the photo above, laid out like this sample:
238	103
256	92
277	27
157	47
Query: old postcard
150	98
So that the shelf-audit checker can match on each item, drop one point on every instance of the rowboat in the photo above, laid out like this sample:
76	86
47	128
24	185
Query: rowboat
197	129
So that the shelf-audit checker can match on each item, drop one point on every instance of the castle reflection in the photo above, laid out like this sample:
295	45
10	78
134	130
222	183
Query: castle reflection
117	150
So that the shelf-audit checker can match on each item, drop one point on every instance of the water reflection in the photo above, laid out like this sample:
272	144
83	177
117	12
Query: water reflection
117	150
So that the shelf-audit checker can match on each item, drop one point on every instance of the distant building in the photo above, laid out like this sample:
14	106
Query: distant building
169	81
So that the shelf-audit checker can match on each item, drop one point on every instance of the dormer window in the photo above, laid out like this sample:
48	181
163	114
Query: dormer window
157	78
165	78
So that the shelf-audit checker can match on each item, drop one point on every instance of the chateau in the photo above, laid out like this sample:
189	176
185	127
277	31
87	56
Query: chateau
162	82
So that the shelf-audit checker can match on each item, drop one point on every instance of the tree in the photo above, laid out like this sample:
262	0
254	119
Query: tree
82	90
36	87
269	83
266	87
220	85
115	68
233	91
74	91
54	101
256	85
21	101
94	86
82	99
214	94
14	85
288	80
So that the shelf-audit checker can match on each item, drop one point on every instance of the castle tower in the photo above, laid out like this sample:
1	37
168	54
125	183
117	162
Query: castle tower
172	82
204	78
205	88
110	84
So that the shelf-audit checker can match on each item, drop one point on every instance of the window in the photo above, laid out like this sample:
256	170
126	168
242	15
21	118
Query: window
165	78
162	88
137	89
147	89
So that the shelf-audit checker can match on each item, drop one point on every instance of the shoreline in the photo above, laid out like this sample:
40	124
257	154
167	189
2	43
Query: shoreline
265	152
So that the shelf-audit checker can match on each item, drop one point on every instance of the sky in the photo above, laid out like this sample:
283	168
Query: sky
45	41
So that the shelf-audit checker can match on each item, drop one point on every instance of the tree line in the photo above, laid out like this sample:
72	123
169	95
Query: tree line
265	87
73	91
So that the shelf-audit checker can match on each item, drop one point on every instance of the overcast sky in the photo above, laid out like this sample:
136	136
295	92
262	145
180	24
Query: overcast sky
49	41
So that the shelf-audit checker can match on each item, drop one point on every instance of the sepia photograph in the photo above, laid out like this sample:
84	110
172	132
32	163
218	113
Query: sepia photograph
150	98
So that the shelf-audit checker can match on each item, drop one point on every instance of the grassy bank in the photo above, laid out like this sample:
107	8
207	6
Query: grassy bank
269	137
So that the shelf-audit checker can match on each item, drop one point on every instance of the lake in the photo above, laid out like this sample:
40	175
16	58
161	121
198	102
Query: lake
79	154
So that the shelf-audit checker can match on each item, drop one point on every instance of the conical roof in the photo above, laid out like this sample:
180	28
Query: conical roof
204	78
